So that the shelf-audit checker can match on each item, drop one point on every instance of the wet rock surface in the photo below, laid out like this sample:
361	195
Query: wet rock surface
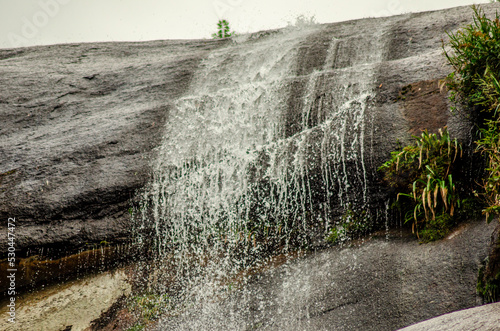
80	122
381	284
71	306
79	125
35	271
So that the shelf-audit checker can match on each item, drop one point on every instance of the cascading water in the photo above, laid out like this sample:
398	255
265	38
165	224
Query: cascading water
233	183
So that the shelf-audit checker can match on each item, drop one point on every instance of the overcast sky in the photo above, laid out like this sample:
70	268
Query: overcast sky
41	22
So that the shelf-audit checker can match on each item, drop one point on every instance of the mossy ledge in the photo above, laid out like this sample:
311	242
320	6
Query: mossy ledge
35	270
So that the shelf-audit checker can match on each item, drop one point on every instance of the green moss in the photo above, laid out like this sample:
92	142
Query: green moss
353	224
488	289
436	229
333	236
137	327
150	307
403	92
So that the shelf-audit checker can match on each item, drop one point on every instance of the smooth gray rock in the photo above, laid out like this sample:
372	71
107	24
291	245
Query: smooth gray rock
79	125
484	318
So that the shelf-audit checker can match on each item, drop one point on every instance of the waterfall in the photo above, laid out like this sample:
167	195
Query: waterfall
236	178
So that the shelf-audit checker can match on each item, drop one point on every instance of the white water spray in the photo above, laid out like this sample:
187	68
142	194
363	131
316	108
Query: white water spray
230	185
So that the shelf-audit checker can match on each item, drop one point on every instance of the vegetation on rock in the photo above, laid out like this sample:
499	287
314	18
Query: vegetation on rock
488	288
424	173
475	57
223	30
149	307
352	224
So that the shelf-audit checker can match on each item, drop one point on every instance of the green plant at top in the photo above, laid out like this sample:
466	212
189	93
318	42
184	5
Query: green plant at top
475	57
223	30
423	173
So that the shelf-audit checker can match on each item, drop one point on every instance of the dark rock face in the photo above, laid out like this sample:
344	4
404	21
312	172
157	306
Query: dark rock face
489	275
424	106
79	125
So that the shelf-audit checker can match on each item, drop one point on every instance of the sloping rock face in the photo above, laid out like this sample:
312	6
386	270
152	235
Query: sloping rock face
289	127
384	283
79	123
485	318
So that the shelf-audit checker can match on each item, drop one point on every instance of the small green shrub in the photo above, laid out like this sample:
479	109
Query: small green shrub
423	173
475	57
489	144
223	30
488	289
333	236
436	228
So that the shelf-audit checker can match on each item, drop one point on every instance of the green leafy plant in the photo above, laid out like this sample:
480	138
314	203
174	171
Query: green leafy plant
223	30
489	144
488	288
475	57
423	173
